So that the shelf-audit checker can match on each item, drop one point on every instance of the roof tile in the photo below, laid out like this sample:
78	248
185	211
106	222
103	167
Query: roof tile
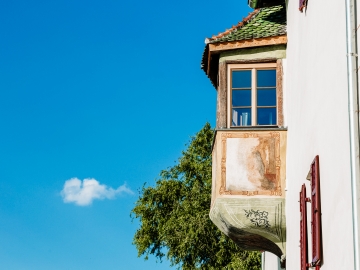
261	23
264	22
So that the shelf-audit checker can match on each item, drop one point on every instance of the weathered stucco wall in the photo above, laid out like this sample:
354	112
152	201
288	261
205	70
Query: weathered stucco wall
262	151
276	52
248	191
315	97
270	261
273	53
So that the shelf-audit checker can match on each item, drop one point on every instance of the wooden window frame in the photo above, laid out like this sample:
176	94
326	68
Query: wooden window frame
253	67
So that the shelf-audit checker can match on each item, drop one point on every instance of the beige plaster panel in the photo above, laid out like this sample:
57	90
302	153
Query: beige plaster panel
249	164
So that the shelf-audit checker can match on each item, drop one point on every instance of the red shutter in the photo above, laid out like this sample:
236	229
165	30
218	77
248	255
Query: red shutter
302	4
303	230
316	213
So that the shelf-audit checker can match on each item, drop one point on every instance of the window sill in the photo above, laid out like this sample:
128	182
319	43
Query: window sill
253	128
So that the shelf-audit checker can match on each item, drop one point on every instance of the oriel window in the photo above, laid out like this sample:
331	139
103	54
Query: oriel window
252	95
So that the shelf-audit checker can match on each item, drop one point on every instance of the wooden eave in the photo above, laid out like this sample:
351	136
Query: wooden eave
215	48
256	42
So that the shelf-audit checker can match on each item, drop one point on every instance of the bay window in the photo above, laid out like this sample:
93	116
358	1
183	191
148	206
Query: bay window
252	95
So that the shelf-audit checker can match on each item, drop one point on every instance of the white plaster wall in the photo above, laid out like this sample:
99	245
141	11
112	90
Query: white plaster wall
270	261
238	151
315	93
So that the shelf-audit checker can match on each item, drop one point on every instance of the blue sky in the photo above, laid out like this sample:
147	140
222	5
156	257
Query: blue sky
105	90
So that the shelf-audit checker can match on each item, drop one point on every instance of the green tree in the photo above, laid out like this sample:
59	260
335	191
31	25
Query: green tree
174	215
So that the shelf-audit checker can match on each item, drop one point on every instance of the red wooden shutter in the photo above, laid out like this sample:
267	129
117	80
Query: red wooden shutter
303	230
316	213
302	4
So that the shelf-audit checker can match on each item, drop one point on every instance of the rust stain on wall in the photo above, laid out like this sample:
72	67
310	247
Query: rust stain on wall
261	164
250	164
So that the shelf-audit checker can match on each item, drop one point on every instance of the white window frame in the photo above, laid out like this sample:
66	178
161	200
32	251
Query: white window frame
253	68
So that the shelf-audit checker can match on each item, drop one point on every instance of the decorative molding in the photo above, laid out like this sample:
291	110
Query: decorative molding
246	43
224	136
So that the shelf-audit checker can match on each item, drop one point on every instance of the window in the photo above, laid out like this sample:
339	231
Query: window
252	96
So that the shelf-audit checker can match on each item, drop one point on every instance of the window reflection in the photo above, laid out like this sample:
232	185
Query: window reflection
266	97
266	78
241	117
266	116
241	98
241	79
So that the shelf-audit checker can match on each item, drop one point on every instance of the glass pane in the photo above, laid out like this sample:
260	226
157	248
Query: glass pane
241	117
241	97
266	116
266	97
266	78
241	79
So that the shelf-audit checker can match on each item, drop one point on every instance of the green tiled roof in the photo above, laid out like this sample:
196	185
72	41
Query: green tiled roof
266	22
261	23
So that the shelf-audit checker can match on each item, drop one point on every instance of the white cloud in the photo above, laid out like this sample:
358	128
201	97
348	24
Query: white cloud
84	192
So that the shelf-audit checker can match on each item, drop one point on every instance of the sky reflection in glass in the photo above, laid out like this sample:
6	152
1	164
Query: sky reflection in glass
241	79
241	97
266	116
245	103
266	78
266	97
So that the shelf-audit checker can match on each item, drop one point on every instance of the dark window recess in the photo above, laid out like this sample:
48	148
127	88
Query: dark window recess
316	213
303	230
302	5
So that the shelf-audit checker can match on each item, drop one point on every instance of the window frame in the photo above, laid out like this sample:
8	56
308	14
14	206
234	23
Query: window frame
253	67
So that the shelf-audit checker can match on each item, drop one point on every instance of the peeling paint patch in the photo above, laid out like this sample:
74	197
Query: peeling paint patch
251	164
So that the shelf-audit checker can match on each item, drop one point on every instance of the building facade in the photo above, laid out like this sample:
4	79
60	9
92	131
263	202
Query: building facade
285	154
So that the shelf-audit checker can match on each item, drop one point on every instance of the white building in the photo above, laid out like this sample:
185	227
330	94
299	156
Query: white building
288	102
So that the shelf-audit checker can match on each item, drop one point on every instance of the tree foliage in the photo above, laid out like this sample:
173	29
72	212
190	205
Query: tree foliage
174	215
